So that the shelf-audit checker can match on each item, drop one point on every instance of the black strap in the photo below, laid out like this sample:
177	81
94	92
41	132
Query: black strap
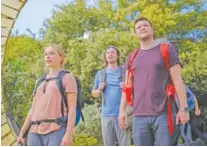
79	102
59	121
39	81
122	73
46	80
42	79
103	79
62	90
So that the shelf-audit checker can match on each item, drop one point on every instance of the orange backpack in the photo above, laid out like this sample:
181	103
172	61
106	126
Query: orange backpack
170	90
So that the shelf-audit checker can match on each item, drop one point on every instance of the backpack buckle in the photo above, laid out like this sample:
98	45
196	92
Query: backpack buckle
62	121
36	122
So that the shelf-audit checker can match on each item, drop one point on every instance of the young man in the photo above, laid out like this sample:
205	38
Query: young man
110	89
150	118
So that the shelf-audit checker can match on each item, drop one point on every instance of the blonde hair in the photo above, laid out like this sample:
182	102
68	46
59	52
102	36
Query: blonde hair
59	50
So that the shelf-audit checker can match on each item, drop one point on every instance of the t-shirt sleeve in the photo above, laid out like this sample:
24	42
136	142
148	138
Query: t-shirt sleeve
173	56
189	93
97	80
69	83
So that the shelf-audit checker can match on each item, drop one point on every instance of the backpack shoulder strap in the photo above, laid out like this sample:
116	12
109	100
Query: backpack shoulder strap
39	81
103	79
164	49
62	89
103	75
132	56
80	102
170	90
122	73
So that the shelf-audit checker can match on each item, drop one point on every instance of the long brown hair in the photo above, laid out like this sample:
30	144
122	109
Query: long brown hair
118	54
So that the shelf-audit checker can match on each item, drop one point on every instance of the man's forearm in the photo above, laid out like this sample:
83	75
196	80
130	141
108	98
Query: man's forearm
175	72
181	94
123	102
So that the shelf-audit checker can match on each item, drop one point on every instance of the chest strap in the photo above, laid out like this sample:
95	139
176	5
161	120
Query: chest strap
60	121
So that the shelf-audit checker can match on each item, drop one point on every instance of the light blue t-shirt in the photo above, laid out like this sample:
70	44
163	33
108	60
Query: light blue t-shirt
112	91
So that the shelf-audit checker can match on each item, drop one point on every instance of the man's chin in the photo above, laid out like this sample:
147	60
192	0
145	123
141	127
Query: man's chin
144	38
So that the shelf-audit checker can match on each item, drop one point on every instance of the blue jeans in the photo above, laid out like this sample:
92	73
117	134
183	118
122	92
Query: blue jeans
152	130
50	139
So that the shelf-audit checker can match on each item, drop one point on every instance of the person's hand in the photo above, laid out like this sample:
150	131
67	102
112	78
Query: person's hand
197	112
122	120
20	140
122	84
183	117
67	140
101	86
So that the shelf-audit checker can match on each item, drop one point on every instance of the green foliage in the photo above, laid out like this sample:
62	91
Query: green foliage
92	124
23	66
84	140
183	21
112	26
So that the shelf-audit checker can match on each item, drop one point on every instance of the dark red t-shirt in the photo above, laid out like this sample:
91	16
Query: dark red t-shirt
150	80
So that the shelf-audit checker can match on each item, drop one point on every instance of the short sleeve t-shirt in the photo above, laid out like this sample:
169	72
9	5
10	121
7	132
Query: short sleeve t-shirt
190	98
47	105
112	91
150	80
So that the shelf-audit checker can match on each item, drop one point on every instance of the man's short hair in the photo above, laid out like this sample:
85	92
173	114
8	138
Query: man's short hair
140	19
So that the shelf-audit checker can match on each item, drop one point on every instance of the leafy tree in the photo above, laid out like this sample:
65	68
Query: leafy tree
22	67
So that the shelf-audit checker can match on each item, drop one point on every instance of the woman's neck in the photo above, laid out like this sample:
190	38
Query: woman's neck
54	71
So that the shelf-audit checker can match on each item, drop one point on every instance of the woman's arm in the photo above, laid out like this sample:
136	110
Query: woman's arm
72	102
27	121
26	125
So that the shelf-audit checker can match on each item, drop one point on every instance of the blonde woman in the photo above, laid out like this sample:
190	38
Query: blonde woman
47	124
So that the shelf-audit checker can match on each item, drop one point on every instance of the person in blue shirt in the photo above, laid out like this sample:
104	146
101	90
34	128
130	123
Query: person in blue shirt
110	89
192	101
192	106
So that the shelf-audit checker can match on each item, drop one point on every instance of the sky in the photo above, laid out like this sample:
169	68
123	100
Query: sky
35	12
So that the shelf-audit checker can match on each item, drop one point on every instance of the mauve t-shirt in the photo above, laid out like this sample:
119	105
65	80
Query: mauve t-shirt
48	105
150	80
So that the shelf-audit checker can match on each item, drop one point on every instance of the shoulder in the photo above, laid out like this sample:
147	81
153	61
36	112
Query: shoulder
99	72
171	47
68	77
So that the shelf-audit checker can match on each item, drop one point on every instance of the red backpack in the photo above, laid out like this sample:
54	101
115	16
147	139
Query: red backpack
170	90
